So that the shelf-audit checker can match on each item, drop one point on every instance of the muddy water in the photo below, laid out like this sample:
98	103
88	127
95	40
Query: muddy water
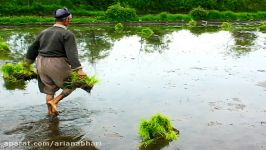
211	83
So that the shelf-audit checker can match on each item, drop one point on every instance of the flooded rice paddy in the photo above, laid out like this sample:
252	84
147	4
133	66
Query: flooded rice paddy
212	83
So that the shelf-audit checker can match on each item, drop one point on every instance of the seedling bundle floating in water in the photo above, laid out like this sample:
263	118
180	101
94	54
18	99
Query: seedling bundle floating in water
15	75
159	127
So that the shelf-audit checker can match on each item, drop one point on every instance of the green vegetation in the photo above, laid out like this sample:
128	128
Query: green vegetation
199	13
15	75
184	6
41	7
118	13
262	27
119	27
19	71
227	26
166	17
158	127
146	32
21	11
192	23
4	49
84	7
75	81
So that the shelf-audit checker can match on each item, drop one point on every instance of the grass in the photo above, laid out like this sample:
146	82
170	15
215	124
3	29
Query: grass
165	17
156	128
75	81
99	17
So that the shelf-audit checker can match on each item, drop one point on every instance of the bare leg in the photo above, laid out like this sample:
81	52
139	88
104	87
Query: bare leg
48	99
54	103
62	95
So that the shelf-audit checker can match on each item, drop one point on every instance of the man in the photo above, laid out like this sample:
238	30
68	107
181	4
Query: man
57	56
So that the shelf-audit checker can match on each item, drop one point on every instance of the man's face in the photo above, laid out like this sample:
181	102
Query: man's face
68	20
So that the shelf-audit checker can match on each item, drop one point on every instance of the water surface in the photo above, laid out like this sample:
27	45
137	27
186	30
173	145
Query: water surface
212	84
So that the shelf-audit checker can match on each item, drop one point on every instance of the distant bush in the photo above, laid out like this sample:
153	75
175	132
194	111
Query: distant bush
214	15
199	13
163	16
229	15
118	13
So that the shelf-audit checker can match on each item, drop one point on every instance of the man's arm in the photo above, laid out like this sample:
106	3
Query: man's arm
72	51
33	51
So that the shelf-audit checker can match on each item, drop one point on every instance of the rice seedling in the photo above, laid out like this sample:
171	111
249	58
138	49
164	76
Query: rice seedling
119	27
157	128
18	71
262	27
15	75
227	26
192	23
146	32
85	83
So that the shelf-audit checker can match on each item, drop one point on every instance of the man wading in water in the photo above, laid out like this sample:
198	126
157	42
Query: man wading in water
57	56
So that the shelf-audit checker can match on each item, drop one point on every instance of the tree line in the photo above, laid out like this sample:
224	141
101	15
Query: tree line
44	7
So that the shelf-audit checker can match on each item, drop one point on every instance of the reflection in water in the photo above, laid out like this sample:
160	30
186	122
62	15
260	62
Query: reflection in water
244	40
19	43
192	78
156	146
94	45
14	84
52	132
155	43
200	30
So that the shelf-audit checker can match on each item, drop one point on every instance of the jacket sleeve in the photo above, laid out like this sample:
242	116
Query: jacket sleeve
33	50
70	46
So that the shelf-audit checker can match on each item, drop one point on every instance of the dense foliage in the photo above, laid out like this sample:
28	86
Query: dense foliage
86	7
184	6
118	13
199	13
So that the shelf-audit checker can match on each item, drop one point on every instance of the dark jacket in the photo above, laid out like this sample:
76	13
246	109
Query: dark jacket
55	42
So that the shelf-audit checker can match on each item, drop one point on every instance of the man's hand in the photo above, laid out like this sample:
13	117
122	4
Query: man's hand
27	63
81	73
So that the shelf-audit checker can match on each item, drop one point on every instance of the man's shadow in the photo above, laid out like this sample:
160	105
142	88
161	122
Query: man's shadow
49	133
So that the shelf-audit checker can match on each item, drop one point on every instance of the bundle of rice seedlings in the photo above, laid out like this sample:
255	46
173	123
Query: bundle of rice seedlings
76	81
159	127
15	75
18	71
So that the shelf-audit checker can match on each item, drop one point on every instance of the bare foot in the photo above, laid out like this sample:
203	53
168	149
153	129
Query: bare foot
54	107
